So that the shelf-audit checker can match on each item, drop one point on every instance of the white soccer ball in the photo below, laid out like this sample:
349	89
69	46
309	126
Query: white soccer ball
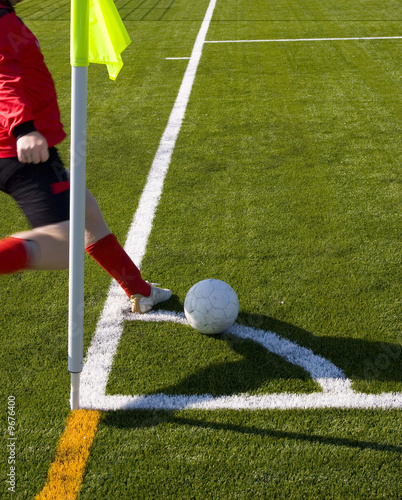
211	306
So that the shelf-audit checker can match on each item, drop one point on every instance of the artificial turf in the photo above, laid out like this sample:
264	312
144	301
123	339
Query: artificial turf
285	183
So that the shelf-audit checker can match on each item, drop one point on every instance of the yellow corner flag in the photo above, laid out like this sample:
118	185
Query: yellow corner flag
102	40
107	36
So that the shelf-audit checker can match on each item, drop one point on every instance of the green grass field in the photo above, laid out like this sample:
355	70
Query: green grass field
284	182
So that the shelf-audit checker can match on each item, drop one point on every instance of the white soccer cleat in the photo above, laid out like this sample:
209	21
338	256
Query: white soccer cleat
141	304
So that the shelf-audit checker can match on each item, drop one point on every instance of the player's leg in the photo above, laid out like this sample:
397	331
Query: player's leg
42	192
46	247
52	240
104	247
15	255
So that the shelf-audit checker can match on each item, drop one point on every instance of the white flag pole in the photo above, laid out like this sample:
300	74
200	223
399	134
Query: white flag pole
77	202
77	228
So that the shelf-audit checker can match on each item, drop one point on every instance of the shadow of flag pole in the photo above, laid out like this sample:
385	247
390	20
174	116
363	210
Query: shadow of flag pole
97	35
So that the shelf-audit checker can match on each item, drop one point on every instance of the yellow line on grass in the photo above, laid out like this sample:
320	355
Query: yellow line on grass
66	472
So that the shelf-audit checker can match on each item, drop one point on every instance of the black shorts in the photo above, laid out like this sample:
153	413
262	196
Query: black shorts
42	191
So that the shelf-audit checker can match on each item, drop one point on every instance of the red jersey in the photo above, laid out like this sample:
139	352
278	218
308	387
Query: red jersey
27	91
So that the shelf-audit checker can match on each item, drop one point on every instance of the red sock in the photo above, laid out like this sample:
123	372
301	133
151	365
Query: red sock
13	255
109	254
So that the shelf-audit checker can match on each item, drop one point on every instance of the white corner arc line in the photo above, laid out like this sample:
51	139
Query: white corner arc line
308	39
325	373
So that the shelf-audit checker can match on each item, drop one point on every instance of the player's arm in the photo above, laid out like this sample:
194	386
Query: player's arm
15	110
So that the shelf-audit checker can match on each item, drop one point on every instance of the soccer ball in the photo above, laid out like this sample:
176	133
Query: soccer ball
211	306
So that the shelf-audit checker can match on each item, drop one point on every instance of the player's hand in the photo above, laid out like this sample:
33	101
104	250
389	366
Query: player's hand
32	148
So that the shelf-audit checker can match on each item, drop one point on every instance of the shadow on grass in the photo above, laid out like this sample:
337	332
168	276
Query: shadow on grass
361	360
148	419
257	371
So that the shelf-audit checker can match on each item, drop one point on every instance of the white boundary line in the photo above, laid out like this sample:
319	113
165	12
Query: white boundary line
100	354
308	39
142	224
336	388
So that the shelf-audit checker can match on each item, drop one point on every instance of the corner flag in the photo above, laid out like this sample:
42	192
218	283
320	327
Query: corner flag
102	40
97	35
107	36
